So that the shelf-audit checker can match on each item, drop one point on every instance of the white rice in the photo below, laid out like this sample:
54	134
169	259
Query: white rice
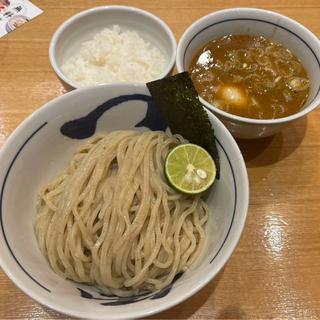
115	55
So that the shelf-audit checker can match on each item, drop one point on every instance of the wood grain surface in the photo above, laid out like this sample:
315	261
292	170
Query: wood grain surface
275	270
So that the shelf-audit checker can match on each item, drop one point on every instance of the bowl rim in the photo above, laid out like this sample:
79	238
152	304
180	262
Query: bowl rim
233	242
193	30
57	34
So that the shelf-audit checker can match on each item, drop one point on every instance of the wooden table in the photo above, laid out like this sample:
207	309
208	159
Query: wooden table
275	270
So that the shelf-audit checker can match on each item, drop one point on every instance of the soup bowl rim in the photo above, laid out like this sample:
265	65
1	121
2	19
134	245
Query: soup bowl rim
195	29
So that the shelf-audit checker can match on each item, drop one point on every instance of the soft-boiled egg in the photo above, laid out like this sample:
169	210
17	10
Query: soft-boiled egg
233	95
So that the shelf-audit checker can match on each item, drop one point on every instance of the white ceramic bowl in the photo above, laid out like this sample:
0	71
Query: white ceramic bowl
68	38
304	44
37	150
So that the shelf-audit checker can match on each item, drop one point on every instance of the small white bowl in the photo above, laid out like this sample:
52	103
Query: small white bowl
294	36
37	151
68	38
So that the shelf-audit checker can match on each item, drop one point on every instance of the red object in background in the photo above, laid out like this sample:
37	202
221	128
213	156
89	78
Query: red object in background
4	4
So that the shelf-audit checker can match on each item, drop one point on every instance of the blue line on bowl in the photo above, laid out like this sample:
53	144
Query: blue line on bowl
235	200
85	127
258	20
1	197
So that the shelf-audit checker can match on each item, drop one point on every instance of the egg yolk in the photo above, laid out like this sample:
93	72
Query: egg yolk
233	95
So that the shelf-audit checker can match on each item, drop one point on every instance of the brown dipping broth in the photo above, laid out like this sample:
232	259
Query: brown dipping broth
250	76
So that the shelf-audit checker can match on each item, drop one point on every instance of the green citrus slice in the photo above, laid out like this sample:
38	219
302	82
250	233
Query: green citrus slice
190	168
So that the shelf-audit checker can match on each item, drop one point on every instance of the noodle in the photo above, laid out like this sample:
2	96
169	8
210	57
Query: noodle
111	220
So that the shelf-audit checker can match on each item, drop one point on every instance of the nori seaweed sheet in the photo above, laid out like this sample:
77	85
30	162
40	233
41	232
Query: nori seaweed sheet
177	101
